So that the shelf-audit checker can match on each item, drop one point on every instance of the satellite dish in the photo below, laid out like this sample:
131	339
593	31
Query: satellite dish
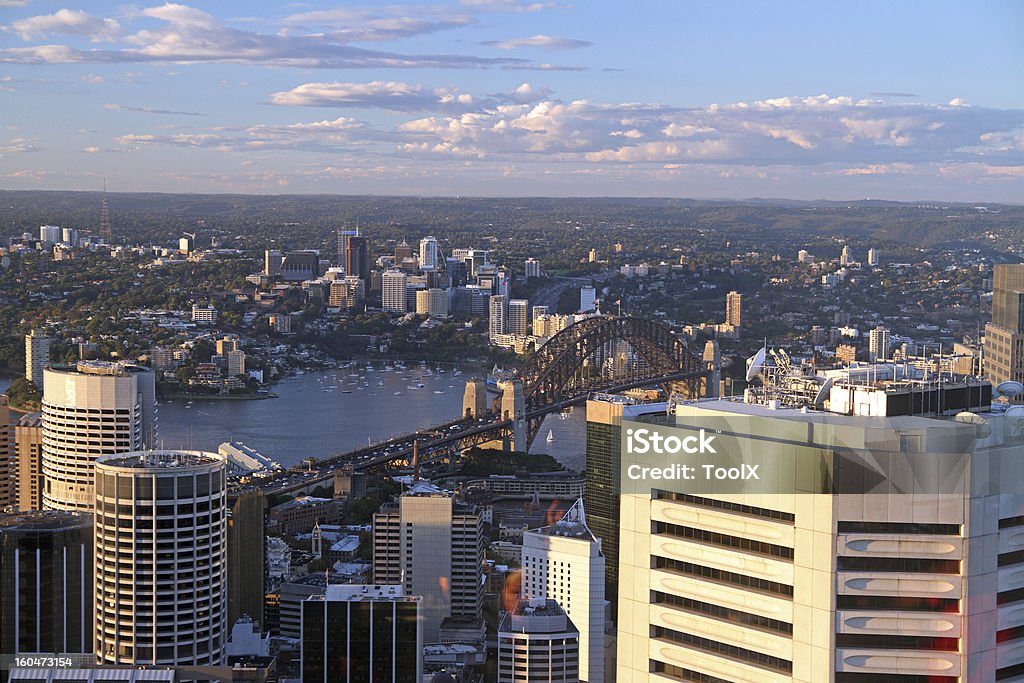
983	429
823	392
1010	388
756	362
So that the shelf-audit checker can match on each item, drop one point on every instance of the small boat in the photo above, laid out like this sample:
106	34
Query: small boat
345	391
551	436
437	391
398	393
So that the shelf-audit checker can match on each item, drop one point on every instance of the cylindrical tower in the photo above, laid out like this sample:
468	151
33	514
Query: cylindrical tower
46	584
91	409
161	558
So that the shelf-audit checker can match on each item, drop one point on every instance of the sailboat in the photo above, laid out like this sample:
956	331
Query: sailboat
551	436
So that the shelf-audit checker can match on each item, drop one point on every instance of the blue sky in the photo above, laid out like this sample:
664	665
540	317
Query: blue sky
806	100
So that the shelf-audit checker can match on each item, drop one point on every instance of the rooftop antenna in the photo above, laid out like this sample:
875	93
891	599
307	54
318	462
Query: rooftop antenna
105	228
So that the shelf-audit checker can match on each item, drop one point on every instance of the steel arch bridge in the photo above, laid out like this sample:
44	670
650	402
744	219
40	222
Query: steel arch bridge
590	355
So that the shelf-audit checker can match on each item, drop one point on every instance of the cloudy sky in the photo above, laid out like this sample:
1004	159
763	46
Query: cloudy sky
688	98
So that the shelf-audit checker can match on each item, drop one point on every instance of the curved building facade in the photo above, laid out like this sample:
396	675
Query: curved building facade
91	409
161	558
46	582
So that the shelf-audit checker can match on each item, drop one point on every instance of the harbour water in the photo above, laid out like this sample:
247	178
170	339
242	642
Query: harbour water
322	413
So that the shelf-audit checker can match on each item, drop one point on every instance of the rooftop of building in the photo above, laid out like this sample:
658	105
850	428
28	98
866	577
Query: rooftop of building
161	459
99	367
44	520
358	593
737	406
573	524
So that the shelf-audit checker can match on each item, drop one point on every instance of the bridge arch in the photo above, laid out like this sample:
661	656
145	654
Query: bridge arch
574	360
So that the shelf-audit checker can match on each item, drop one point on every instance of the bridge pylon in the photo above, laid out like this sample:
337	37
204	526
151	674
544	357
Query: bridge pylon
513	407
474	398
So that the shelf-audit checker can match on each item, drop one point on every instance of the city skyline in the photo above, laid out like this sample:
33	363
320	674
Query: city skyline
498	97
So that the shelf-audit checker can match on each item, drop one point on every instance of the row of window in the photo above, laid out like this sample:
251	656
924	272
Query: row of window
897	564
723	540
720	612
722	576
715	647
751	510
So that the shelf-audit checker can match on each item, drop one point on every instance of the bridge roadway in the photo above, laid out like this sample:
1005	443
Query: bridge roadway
466	430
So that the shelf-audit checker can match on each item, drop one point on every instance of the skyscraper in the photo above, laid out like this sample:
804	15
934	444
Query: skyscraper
8	459
532	268
878	344
393	291
433	546
734	309
844	257
37	355
428	253
161	558
28	450
246	555
272	262
605	413
518	316
872	257
432	302
1005	334
538	642
357	260
497	321
861	575
588	298
91	409
354	634
46	561
563	562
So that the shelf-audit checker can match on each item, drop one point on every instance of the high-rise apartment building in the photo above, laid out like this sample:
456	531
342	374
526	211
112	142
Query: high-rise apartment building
432	302
50	233
588	299
535	313
497	322
355	633
878	344
532	268
518	316
1004	336
563	562
37	355
734	309
46	564
357	260
844	257
91	409
860	575
28	452
393	285
428	253
236	362
538	642
8	459
161	558
432	545
872	257
272	259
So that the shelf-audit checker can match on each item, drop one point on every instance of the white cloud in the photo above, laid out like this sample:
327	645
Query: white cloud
186	35
540	41
67	22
